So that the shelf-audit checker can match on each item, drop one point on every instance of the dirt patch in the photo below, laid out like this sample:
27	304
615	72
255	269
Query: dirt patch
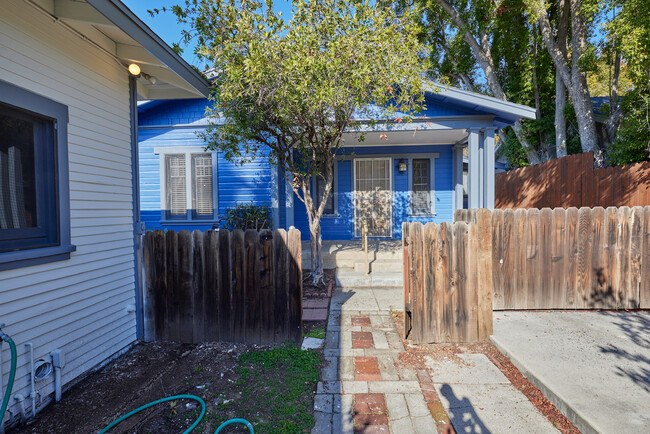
414	356
323	289
234	380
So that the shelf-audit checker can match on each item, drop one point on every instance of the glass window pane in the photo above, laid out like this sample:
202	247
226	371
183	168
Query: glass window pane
421	194
17	170
202	202
176	185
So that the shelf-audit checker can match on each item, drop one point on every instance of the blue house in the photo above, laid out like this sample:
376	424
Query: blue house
401	172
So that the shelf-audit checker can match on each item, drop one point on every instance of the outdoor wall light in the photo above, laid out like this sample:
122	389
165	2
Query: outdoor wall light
402	165
134	70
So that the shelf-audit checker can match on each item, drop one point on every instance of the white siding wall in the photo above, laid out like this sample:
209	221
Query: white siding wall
78	305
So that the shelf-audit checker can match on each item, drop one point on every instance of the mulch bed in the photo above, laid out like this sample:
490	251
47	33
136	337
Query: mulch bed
415	357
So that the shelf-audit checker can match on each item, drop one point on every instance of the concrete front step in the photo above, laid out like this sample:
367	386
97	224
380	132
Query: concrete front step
348	278
346	254
379	266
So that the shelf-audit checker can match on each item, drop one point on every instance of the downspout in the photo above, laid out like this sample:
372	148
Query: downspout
137	224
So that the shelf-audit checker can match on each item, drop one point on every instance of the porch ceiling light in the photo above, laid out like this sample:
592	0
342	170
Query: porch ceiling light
134	70
402	165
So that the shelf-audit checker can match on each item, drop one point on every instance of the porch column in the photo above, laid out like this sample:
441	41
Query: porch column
474	170
458	176
488	172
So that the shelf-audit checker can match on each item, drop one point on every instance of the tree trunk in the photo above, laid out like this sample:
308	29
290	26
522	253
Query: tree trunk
316	244
614	119
484	57
560	119
560	90
581	98
573	78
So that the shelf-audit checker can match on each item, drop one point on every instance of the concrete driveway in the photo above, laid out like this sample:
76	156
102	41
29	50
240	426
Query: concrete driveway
594	366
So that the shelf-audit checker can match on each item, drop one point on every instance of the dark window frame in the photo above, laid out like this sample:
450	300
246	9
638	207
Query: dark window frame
53	208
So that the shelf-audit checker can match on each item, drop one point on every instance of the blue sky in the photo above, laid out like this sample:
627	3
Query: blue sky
165	25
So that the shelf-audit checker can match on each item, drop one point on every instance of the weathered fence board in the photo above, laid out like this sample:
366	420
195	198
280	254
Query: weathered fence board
223	286
450	280
573	181
587	258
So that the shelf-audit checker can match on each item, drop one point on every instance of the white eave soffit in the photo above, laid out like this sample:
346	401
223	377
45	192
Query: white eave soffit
166	74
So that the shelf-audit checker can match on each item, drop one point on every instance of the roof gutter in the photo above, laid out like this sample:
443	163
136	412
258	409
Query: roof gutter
130	24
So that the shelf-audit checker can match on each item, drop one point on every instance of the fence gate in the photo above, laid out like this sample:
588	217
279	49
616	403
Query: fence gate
448	280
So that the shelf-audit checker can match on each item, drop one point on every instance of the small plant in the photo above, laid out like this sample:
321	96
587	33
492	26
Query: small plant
247	215
318	333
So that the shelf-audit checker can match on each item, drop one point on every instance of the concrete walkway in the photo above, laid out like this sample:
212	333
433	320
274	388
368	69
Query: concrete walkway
479	399
594	366
363	388
368	386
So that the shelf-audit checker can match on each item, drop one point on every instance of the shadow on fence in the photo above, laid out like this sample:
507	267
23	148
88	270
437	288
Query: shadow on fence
223	286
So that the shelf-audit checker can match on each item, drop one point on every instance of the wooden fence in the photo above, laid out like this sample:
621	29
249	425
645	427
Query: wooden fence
587	258
448	292
223	286
573	182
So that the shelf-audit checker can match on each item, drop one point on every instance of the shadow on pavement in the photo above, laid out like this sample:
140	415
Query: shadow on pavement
461	413
635	326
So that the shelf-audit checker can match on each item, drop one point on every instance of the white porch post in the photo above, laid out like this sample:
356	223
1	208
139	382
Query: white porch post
488	172
458	176
474	170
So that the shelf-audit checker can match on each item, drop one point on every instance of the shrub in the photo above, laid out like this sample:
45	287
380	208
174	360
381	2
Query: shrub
247	215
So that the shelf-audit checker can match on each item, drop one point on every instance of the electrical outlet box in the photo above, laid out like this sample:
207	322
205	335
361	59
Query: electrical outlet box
58	358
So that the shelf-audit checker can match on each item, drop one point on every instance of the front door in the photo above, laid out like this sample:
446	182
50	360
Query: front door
373	196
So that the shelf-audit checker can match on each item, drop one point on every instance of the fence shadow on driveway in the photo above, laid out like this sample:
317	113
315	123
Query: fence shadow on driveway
635	326
462	414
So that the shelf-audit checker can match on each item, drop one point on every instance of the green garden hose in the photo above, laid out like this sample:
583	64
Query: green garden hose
194	425
12	374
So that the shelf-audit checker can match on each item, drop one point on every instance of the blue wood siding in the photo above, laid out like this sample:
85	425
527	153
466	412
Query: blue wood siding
341	227
172	112
248	182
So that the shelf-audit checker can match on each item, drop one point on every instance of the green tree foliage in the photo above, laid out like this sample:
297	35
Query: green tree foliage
629	31
293	86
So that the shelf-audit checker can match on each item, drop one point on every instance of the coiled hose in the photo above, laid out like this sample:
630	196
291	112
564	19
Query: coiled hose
188	430
12	374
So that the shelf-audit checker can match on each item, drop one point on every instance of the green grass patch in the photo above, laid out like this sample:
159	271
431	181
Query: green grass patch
275	389
318	333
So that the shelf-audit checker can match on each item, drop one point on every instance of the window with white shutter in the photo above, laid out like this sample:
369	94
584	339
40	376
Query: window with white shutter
202	203
187	189
176	186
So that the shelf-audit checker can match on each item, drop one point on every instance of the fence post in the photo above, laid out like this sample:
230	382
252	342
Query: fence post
485	273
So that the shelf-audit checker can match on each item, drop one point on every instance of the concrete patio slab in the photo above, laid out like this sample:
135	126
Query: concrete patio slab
594	366
473	369
479	398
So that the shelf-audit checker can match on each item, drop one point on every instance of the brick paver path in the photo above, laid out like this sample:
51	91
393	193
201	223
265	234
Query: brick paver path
364	387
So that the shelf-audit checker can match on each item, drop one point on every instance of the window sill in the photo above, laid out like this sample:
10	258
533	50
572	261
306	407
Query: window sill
188	222
330	216
422	214
28	258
